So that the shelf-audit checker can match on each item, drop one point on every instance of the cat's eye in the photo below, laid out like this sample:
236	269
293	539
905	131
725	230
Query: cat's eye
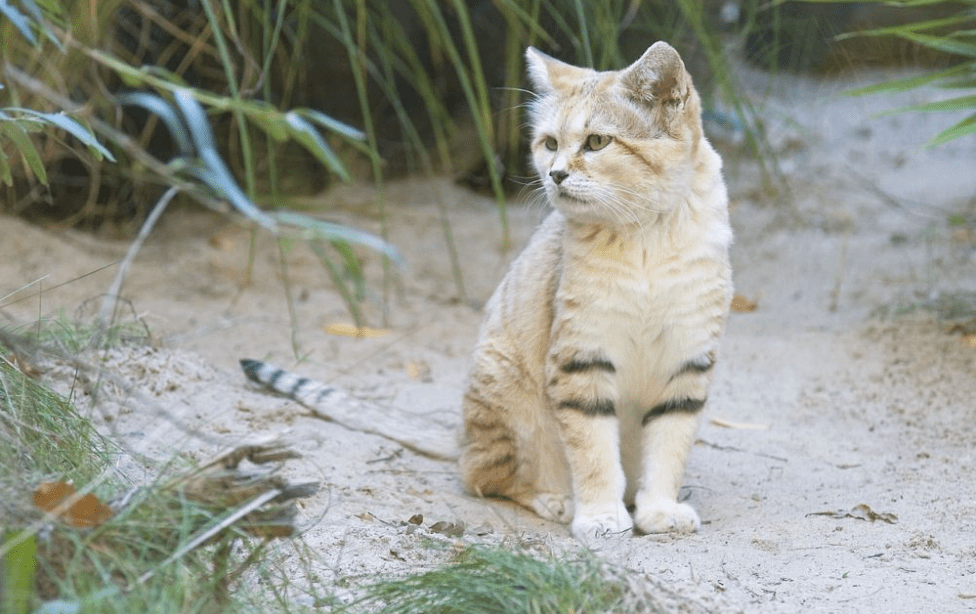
596	142
550	143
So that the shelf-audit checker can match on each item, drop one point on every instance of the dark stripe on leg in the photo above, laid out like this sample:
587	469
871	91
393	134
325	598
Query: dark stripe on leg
597	364
590	407
684	406
702	364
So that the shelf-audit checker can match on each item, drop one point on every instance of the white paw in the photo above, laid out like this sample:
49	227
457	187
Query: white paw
665	516
586	527
558	508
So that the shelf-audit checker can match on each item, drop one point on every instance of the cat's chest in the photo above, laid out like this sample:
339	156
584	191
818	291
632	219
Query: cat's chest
640	301
633	280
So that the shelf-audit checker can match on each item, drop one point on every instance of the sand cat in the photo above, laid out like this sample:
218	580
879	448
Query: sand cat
597	349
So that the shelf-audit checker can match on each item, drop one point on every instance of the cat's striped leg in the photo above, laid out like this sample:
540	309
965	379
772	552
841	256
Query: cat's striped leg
668	433
583	394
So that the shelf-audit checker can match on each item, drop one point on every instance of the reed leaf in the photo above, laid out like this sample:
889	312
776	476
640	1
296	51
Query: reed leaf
954	40
18	136
963	128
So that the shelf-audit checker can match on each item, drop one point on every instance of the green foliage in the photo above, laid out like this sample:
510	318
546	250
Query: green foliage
42	432
17	567
17	124
434	85
954	35
489	580
254	57
174	545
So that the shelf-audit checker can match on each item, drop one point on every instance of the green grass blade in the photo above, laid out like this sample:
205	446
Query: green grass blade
908	28
17	565
583	32
164	111
338	281
5	176
908	83
77	130
23	144
315	229
963	128
951	104
20	21
216	175
942	43
304	133
247	154
332	125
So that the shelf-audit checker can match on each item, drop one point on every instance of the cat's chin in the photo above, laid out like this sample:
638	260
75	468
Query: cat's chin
573	207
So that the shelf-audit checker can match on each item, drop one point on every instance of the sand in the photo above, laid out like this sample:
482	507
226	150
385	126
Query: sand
835	464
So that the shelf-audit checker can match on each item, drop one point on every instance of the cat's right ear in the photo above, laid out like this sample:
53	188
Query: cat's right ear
549	75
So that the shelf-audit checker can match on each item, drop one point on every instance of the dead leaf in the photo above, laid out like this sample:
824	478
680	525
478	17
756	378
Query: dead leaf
419	370
738	425
741	304
60	500
416	519
48	495
448	528
861	512
351	330
221	241
969	340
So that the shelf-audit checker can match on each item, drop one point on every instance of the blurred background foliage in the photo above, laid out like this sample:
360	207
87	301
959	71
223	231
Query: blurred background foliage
372	89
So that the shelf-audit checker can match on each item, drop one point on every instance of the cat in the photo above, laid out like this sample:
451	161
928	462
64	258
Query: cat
597	349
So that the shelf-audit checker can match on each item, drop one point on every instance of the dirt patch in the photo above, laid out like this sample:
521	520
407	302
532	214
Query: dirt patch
843	393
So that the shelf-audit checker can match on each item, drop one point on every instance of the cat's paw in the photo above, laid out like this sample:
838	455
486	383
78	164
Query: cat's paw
552	506
586	527
665	516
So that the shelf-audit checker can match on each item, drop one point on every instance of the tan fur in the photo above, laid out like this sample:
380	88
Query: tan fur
597	348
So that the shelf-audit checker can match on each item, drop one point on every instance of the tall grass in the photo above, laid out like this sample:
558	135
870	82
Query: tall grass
262	94
483	580
176	544
427	64
953	34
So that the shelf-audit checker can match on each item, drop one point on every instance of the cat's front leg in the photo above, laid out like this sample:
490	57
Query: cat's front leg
668	435
583	395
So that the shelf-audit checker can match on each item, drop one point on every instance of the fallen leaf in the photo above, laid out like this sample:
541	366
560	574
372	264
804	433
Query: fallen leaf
59	499
738	425
351	330
416	519
448	528
222	242
48	495
741	304
861	512
969	340
419	369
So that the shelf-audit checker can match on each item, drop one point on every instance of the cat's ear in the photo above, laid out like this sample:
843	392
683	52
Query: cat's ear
658	76
548	74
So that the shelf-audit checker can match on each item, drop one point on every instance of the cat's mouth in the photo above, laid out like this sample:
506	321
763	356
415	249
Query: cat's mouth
565	194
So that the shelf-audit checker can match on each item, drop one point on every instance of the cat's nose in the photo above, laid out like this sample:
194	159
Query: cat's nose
558	175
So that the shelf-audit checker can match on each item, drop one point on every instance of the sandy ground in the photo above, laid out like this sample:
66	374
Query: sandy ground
835	467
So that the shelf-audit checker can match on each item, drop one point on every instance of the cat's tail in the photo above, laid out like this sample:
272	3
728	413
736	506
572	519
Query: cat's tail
411	430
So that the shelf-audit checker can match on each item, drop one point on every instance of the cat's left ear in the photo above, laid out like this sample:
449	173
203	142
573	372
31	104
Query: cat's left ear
658	76
549	75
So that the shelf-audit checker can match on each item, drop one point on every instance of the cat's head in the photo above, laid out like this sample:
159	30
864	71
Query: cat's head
615	147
